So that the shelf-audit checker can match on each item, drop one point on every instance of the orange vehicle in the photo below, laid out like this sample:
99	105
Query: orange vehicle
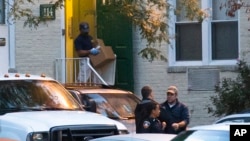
111	102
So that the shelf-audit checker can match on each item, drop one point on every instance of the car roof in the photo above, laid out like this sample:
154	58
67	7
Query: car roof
234	116
109	91
138	137
224	127
94	88
219	126
237	115
19	76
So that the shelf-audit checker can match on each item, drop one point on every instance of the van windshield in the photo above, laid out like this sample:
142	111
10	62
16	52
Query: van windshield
26	95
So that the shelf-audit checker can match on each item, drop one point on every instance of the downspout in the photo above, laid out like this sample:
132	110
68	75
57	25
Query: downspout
11	40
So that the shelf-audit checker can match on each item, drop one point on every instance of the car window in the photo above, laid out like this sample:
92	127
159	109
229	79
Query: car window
202	135
121	105
102	105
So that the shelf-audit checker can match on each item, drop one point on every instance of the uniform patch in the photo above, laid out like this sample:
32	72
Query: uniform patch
146	124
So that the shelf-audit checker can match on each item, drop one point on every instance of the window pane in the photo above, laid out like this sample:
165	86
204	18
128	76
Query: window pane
188	41
221	7
224	40
1	11
181	12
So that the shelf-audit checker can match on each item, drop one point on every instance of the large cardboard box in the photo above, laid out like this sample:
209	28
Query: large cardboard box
105	56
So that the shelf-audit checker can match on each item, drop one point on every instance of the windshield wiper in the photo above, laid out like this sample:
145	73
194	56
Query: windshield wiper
114	117
122	118
56	108
130	117
21	109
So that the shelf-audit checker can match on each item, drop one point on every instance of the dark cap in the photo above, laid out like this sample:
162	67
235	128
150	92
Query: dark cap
84	26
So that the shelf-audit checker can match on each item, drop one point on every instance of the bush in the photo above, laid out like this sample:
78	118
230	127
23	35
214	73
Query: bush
233	95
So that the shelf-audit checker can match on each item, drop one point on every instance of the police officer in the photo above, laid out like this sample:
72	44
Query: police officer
147	96
149	122
174	112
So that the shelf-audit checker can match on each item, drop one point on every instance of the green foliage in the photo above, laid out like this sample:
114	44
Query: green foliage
232	95
17	12
151	53
192	10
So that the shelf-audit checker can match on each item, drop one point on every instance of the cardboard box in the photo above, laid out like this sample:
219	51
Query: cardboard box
105	56
100	42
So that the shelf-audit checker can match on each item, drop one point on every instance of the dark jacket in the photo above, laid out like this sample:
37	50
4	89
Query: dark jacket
150	125
179	112
83	42
138	110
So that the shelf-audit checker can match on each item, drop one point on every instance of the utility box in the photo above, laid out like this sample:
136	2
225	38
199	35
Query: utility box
105	56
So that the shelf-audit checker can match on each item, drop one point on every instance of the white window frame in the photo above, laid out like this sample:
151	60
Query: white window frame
206	42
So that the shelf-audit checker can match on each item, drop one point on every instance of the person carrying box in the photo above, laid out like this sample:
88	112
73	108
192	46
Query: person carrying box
84	46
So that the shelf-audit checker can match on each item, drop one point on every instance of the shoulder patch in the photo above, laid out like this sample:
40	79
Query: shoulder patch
146	124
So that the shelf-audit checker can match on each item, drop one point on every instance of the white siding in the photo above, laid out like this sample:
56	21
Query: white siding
36	49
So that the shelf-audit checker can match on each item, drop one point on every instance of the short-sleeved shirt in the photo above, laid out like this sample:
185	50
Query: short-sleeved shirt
83	42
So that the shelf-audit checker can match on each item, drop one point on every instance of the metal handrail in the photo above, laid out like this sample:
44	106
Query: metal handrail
67	70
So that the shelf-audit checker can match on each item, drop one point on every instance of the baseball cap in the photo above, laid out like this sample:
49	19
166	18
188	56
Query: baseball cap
172	89
84	26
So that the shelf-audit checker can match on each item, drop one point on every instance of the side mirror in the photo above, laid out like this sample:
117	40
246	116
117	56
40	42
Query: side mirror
91	106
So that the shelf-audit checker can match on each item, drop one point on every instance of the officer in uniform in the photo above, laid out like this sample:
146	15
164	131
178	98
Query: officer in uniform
149	122
151	125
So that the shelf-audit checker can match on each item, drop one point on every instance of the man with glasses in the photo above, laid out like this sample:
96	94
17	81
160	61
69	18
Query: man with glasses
174	113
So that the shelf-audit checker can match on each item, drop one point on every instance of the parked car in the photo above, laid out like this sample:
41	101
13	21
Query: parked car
114	103
38	108
244	117
213	132
138	137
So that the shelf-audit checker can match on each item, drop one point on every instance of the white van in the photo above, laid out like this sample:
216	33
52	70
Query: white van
38	108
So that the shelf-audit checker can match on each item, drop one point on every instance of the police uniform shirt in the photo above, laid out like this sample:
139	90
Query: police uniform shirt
151	125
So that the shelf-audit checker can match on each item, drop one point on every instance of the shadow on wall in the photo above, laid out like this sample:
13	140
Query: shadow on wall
11	70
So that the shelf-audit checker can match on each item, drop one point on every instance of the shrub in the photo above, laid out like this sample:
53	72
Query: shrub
232	95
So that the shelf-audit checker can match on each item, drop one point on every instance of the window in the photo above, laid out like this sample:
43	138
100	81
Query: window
2	13
212	42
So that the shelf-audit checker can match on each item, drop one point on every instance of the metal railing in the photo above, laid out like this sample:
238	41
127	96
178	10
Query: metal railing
72	70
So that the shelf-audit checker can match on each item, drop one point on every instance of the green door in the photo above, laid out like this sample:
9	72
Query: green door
116	31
